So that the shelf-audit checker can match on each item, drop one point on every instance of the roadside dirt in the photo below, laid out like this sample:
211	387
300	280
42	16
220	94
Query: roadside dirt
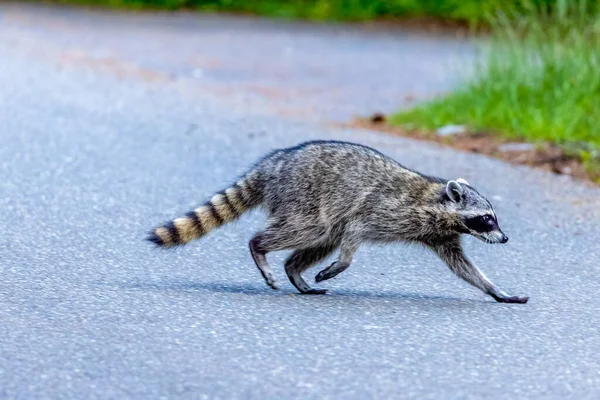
546	156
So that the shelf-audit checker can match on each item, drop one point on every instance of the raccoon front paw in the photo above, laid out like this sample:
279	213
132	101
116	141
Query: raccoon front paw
511	299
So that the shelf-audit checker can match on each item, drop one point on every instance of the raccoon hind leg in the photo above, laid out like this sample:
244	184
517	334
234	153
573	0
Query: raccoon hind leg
259	255
303	259
281	235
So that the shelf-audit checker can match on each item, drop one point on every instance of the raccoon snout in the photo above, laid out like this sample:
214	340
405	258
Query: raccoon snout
504	239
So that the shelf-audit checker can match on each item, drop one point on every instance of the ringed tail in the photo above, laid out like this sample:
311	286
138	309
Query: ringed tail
225	206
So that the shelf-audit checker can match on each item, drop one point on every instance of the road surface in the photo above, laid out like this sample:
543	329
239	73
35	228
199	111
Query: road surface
111	123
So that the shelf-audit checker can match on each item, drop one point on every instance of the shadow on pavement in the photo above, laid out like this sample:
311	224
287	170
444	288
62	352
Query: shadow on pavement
262	290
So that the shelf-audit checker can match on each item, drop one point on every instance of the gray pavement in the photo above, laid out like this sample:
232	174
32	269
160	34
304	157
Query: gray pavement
107	130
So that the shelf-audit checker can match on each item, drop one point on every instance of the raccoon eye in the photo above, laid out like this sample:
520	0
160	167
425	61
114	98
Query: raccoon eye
487	219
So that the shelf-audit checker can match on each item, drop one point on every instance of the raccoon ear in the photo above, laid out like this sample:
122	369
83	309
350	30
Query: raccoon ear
454	191
461	180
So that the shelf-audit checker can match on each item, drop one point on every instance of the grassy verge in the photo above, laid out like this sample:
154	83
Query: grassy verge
539	82
472	12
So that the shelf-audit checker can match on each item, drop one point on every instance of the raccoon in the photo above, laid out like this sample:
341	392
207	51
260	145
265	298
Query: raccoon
325	195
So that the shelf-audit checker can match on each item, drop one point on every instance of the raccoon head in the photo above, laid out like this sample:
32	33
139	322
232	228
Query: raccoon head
476	216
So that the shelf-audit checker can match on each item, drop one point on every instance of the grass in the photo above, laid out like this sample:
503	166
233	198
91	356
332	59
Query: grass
539	81
472	12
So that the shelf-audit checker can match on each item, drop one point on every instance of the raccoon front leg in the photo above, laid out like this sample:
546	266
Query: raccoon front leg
348	249
452	254
302	259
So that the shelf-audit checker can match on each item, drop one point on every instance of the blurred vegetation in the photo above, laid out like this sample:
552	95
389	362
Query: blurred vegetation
539	81
469	11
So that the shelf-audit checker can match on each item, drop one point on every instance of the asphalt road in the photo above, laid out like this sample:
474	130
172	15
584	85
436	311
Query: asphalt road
108	130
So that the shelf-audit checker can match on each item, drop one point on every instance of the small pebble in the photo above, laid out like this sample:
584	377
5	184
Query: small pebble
378	118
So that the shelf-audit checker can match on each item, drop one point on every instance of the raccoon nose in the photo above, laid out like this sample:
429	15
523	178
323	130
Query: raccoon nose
504	239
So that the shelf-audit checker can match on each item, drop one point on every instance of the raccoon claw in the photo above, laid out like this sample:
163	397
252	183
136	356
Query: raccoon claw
511	299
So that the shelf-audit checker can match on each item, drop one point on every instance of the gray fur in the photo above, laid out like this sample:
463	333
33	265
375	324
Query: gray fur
322	196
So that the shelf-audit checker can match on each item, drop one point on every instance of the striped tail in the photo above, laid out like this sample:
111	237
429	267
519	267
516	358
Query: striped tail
225	206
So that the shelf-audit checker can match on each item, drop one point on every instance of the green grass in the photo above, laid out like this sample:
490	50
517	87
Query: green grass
539	81
469	11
